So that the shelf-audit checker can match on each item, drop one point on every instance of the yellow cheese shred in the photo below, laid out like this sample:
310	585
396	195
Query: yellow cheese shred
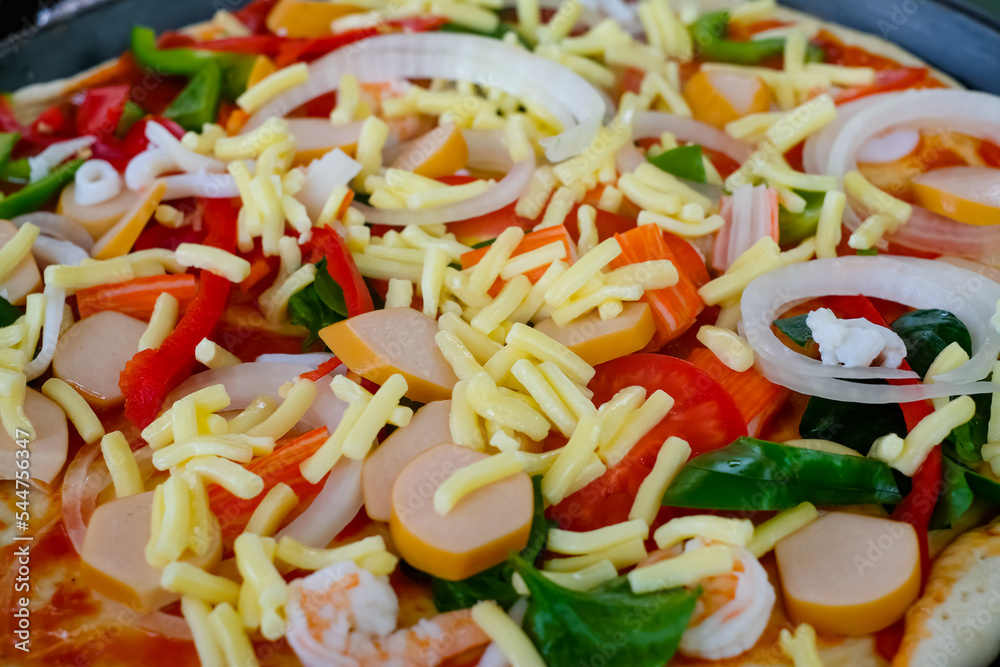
472	477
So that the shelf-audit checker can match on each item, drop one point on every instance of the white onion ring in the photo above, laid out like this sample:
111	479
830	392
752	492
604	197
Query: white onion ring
96	182
329	513
55	299
186	159
456	57
889	147
201	184
322	176
55	154
146	167
49	251
487	151
816	150
506	191
57	226
972	113
314	359
81	484
649	124
157	622
918	283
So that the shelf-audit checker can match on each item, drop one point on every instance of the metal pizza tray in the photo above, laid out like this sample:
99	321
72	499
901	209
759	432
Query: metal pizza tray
960	37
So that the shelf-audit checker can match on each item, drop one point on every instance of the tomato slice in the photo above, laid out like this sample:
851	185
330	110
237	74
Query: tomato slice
703	414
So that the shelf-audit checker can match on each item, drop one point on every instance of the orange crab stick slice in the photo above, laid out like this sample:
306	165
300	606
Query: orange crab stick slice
381	343
849	574
477	533
967	194
440	152
718	98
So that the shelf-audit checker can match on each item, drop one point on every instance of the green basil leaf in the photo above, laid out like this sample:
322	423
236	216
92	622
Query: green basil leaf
956	496
494	583
683	162
970	437
753	474
926	333
797	227
8	313
854	425
796	329
483	244
328	290
572	628
867	252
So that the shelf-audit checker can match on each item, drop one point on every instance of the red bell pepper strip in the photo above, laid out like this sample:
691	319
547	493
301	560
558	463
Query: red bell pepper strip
305	50
101	110
151	374
254	15
322	371
326	243
917	507
888	80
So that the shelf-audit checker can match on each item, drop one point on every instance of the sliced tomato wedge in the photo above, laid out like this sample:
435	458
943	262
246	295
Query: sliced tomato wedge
703	414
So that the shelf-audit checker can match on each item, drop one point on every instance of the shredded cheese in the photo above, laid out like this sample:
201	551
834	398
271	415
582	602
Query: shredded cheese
728	346
214	260
572	459
17	249
87	423
457	355
544	348
463	422
298	555
875	200
213	355
193	582
801	647
259	94
579	543
778	527
161	322
737	532
121	464
473	477
931	431
298	401
545	395
227	631
498	626
621	556
828	230
669	460
647	416
229	475
686	569
376	415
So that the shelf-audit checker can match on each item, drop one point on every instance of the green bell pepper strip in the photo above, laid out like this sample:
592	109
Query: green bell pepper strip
132	113
198	103
16	171
709	35
7	142
34	195
188	62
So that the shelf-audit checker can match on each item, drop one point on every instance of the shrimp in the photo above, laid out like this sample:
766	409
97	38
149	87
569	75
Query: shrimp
733	611
344	616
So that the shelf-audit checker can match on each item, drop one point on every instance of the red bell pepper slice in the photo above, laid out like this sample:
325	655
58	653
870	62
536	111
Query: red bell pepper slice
888	80
326	243
101	110
254	15
704	415
917	507
322	371
151	374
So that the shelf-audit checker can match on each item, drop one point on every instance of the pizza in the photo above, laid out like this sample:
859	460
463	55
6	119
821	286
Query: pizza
471	332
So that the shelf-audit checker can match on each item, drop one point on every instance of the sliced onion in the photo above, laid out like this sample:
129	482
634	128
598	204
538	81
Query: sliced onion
487	151
649	124
48	251
330	512
186	159
81	484
245	382
320	133
455	57
503	193
147	166
889	147
313	359
918	283
55	154
972	113
816	150
322	176
55	299
157	622
201	184
58	227
96	182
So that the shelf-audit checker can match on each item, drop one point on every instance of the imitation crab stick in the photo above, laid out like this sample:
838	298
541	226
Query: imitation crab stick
49	446
25	278
136	297
849	574
479	532
756	397
281	466
718	98
531	241
440	152
967	194
93	352
113	558
674	308
381	343
428	428
597	340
